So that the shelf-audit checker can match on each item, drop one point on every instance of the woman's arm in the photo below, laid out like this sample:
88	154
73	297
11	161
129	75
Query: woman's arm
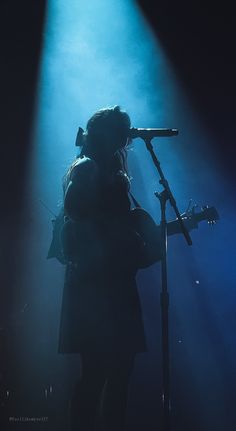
173	227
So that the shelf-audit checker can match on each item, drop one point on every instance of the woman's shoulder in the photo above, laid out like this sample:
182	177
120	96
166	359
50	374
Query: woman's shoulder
83	168
83	163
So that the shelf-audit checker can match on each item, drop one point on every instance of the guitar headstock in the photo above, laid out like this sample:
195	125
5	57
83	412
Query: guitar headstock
207	213
210	214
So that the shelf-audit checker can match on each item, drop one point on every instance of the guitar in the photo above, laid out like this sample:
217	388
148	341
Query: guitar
66	235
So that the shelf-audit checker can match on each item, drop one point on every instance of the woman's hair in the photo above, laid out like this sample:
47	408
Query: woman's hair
105	125
108	124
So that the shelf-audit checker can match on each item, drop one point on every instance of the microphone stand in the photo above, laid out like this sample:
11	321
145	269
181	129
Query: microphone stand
164	196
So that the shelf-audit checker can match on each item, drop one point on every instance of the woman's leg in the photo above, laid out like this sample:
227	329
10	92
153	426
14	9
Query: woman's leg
87	392
100	397
115	394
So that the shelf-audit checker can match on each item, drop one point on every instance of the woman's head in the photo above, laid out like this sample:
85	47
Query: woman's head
107	130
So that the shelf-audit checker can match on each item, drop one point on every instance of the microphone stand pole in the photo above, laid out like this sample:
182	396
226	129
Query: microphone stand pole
164	196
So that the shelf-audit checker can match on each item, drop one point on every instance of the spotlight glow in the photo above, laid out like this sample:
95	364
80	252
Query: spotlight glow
100	53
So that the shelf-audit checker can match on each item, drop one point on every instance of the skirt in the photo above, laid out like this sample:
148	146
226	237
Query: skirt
100	312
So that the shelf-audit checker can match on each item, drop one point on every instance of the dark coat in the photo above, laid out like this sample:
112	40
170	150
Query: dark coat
101	309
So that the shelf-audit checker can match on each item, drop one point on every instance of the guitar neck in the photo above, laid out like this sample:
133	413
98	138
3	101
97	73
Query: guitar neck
209	214
200	216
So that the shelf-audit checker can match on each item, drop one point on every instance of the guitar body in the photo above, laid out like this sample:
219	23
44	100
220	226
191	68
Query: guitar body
132	241
142	222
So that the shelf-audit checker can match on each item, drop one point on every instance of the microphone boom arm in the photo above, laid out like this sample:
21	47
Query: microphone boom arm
151	133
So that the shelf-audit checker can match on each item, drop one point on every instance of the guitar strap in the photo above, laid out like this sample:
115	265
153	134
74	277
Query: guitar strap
134	201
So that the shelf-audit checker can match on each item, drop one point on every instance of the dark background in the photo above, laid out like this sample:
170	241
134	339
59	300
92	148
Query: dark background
200	41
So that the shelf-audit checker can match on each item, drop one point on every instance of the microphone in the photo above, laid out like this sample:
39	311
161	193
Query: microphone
151	133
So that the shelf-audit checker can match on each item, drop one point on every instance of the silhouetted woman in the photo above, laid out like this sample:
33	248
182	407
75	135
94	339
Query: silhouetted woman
101	315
